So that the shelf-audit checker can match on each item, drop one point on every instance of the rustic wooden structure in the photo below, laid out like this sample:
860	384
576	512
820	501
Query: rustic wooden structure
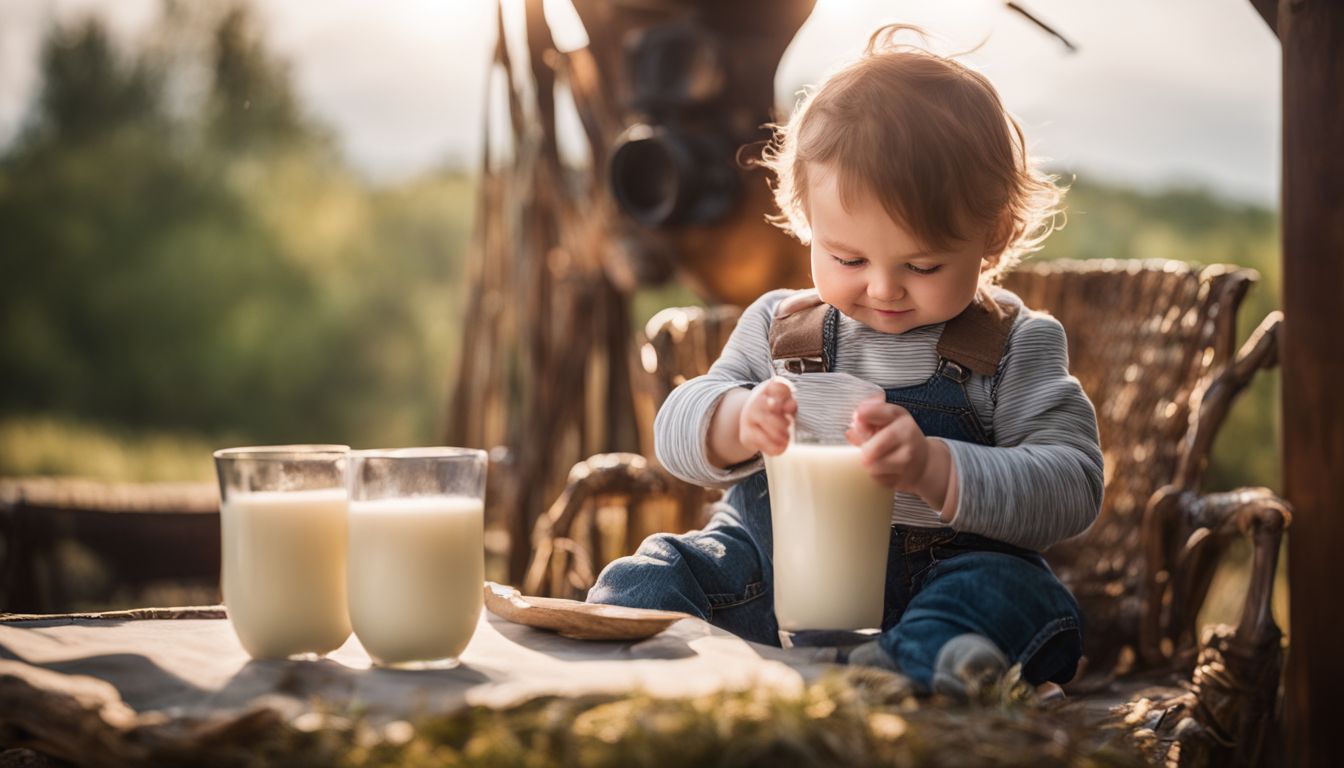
547	369
1311	33
137	534
1154	346
546	324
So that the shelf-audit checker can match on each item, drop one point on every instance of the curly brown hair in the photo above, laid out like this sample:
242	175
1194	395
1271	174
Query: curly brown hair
930	139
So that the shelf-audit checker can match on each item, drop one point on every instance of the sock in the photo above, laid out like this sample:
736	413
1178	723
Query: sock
966	664
870	654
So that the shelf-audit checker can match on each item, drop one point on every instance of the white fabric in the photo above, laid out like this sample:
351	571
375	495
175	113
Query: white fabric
196	668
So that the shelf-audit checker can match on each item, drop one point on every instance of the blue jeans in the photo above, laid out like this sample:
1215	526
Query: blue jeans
940	584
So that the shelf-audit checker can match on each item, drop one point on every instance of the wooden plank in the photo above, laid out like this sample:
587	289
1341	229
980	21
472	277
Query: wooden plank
1269	11
1312	35
140	533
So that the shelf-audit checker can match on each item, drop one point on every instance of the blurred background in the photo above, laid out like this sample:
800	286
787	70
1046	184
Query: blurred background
238	222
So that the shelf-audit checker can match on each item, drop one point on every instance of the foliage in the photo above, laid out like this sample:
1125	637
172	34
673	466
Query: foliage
854	716
209	264
36	446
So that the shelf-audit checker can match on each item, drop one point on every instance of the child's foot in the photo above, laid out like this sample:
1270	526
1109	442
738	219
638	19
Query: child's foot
869	654
966	665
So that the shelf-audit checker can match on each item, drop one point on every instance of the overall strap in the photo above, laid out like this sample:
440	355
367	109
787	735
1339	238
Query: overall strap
797	335
973	340
976	338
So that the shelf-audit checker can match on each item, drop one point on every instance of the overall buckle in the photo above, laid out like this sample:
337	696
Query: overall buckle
797	365
954	371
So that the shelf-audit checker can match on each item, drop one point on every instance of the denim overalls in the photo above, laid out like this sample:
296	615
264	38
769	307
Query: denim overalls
940	583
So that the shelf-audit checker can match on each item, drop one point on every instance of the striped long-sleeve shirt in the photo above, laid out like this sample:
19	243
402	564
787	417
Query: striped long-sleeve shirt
1039	482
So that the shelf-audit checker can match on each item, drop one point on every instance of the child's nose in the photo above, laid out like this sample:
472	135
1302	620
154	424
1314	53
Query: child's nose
885	287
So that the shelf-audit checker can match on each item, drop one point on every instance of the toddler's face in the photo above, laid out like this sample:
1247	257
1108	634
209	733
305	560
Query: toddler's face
872	269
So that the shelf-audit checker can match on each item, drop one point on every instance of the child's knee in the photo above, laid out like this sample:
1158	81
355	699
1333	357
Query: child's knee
660	550
654	577
624	573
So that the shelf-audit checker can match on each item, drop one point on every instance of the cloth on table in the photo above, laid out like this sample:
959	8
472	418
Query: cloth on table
195	669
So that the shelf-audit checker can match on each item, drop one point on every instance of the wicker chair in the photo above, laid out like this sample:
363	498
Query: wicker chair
1154	346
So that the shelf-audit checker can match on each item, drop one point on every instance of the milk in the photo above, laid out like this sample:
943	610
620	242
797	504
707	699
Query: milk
417	568
284	570
832	529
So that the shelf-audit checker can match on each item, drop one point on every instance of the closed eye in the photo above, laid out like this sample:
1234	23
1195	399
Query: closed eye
848	262
923	271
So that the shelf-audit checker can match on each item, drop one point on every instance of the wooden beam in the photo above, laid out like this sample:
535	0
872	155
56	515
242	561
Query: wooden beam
1269	11
1312	36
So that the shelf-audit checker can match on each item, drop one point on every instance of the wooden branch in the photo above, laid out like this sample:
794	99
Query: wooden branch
1260	514
1232	285
517	119
1220	392
540	51
1160	518
1035	20
1269	11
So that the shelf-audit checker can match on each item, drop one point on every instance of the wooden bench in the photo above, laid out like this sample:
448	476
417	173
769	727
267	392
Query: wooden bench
1154	345
130	535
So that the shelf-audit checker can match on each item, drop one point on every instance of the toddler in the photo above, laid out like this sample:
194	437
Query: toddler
914	189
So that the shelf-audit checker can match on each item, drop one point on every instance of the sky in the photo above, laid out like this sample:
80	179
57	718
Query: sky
1160	92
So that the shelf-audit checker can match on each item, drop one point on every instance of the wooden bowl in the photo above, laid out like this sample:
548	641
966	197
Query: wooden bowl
573	619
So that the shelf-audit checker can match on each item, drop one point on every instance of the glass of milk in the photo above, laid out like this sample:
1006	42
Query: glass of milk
831	521
417	554
283	524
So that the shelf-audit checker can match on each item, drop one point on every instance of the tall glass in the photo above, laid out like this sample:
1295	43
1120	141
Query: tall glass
417	553
831	525
283	527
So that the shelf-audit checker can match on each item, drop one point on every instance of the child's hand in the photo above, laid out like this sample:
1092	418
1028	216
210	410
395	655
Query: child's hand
766	416
899	456
895	450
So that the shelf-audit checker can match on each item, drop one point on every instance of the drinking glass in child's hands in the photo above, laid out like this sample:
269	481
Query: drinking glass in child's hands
898	455
766	416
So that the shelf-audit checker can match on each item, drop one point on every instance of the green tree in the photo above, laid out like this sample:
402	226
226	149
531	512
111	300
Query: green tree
252	105
210	265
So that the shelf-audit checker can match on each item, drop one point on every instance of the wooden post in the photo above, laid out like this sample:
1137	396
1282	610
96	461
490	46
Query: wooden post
1312	36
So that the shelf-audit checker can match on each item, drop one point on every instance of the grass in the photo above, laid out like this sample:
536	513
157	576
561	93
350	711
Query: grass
34	446
853	717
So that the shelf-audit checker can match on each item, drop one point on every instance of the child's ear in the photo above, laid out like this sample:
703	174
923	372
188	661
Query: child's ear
997	240
1001	234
